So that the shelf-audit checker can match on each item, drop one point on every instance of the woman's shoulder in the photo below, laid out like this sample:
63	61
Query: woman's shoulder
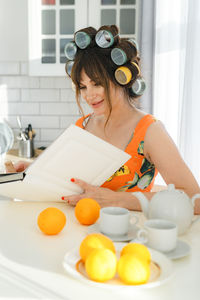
156	136
143	122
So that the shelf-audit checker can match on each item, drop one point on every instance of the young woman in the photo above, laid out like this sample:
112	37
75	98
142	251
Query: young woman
101	83
105	71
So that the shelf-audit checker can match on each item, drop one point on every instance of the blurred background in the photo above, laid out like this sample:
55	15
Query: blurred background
33	84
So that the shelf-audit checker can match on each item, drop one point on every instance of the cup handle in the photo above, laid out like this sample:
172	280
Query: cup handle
134	220
142	236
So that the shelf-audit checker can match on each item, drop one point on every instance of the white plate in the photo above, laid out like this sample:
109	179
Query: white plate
122	238
182	249
161	271
6	137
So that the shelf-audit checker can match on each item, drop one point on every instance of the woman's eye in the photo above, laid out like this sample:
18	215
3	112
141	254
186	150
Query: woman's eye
82	87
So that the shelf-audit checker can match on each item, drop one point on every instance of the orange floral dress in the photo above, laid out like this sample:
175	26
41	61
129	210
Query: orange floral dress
137	174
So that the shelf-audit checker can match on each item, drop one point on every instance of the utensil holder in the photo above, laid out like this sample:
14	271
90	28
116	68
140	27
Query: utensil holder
26	148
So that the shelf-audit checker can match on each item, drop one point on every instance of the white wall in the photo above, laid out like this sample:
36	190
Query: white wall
13	30
48	103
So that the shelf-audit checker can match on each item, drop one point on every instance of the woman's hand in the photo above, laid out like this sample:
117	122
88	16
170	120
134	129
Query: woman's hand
20	166
103	196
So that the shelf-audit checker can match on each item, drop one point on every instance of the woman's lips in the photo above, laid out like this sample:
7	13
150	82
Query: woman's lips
97	104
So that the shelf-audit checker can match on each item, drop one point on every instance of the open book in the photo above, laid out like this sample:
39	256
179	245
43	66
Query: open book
76	153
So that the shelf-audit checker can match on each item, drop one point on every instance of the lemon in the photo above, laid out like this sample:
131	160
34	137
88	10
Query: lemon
139	249
132	269
95	241
101	265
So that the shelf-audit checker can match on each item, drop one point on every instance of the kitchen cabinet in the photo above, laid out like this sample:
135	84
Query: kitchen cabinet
53	22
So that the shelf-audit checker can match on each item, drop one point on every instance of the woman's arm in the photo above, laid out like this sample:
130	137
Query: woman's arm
105	197
162	152
160	149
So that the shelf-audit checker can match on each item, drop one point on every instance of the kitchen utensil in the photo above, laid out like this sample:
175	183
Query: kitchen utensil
170	204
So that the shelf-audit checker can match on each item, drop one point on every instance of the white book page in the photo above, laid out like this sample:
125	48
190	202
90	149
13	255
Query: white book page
75	154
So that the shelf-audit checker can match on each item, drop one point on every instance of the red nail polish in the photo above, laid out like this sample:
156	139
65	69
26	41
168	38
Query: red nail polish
62	198
72	180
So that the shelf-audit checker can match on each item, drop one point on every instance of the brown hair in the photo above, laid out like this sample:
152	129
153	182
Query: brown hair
99	67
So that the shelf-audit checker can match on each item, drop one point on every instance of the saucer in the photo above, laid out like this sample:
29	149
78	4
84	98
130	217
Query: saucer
182	249
122	238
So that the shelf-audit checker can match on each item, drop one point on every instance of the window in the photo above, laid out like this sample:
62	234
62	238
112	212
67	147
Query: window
53	22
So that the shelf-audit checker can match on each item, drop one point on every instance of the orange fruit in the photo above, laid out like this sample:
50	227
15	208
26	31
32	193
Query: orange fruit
137	249
132	269
95	241
51	220
87	211
101	265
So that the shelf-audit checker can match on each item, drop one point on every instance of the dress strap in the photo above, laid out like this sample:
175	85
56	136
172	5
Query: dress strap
80	121
143	125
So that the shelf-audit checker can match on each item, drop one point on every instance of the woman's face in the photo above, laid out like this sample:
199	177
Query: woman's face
94	95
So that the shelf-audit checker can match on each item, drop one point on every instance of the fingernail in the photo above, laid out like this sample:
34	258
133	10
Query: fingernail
72	180
62	198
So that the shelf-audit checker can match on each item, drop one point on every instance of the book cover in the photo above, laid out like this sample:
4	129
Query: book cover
10	177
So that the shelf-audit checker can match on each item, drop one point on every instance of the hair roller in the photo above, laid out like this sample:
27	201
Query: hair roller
123	75
127	73
68	67
84	37
136	69
123	52
70	50
138	86
107	36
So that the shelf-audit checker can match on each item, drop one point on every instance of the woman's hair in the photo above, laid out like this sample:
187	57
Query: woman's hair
100	68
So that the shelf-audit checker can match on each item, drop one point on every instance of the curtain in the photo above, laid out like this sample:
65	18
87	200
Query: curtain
176	79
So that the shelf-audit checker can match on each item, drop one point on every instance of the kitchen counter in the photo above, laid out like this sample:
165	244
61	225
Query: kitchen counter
31	262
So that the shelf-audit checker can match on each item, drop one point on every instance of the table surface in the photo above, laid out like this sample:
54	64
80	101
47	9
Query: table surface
31	262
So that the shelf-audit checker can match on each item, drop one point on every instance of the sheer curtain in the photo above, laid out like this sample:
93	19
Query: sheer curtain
176	82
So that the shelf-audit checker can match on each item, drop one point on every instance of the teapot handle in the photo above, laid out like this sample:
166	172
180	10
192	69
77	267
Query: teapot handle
197	218
194	199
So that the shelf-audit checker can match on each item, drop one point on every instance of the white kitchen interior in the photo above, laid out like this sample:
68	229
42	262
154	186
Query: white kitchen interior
43	96
34	87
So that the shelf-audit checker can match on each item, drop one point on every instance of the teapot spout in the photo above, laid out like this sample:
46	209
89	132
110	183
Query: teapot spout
144	202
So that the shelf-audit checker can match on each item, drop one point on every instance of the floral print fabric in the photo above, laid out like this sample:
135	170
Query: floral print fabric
138	174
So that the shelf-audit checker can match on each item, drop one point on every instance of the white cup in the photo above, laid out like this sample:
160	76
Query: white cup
115	221
159	234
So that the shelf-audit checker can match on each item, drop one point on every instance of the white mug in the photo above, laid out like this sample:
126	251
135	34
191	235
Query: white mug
159	234
115	221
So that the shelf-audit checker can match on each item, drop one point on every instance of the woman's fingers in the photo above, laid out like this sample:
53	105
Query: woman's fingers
84	185
9	167
72	200
21	166
17	167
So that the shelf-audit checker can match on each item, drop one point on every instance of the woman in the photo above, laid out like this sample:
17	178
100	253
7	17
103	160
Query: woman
116	119
111	93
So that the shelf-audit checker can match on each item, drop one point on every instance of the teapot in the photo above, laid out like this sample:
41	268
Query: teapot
171	204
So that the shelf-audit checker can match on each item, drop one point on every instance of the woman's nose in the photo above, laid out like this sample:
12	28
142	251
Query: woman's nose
91	93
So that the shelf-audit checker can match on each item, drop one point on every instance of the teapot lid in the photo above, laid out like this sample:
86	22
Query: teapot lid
171	190
171	187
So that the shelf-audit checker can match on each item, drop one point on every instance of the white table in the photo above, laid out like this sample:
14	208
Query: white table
31	262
